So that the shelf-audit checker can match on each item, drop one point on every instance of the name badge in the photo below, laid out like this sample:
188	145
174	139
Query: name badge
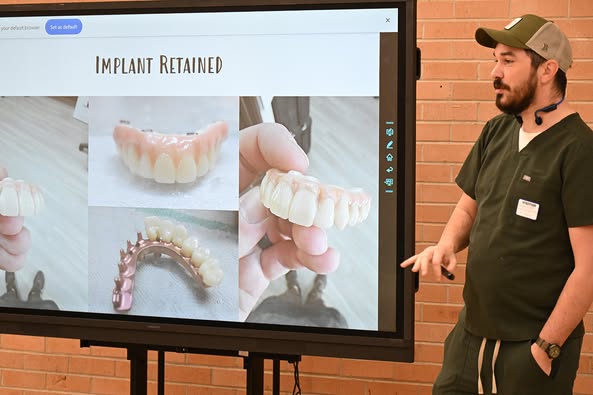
527	209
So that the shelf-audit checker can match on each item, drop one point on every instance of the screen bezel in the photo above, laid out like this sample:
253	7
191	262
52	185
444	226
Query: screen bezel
260	338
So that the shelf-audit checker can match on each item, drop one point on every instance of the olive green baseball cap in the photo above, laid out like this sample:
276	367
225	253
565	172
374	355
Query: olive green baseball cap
531	32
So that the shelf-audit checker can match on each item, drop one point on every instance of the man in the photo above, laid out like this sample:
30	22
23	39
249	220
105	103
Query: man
526	213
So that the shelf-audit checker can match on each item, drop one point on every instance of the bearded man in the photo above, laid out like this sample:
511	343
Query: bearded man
526	216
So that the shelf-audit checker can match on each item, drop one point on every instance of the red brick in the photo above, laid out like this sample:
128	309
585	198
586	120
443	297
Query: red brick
583	385
380	388
433	90
69	382
587	343
441	313
449	70
435	9
65	346
214	360
108	352
185	374
585	364
431	332
577	28
547	9
470	50
455	292
580	8
438	213
51	363
480	9
195	390
482	90
432	293
428	352
92	366
24	343
11	359
23	379
325	385
433	172
466	132
229	377
439	193
109	386
432	131
487	111
434	50
454	29
319	365
458	111
439	152
416	373
367	369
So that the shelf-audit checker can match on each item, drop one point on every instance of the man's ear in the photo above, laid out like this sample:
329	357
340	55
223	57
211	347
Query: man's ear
548	71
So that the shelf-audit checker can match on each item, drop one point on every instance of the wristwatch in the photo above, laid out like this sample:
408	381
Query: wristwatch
553	350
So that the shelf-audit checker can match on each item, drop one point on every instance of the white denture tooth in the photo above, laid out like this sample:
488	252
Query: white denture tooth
152	225
354	214
145	167
211	272
366	207
268	193
9	200
280	200
37	200
325	214
179	235
199	255
303	208
262	188
189	245
164	169
186	171
26	203
132	158
202	166
294	173
341	216
166	230
212	157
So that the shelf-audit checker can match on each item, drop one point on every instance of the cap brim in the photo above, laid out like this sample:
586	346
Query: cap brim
490	37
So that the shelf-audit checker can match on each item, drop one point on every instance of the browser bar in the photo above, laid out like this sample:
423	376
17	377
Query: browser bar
190	24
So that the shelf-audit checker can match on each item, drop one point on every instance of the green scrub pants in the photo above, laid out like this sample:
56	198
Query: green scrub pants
515	370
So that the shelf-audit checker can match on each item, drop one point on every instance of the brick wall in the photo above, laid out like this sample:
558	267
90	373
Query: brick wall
454	99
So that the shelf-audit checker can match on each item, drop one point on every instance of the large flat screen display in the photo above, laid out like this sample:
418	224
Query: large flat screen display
234	175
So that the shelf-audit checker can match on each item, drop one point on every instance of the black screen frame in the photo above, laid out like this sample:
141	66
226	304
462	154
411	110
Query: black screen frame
257	338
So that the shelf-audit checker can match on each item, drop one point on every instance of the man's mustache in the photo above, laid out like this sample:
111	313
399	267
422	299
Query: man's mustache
498	84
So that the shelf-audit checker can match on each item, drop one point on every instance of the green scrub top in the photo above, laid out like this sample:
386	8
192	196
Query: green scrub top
520	255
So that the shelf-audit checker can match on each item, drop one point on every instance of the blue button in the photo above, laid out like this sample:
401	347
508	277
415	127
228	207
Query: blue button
63	26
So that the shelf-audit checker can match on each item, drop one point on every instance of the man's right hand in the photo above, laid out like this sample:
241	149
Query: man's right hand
430	261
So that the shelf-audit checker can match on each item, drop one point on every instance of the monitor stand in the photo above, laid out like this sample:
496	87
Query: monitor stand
253	363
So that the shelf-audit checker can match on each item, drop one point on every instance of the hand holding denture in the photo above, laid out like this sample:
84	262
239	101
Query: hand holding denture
262	147
15	239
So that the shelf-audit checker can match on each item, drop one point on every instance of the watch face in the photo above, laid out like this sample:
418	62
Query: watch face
553	351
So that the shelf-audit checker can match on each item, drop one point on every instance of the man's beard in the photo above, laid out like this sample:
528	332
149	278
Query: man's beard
523	96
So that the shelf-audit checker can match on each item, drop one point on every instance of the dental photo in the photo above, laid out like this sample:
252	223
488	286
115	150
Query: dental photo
164	263
174	152
309	201
43	204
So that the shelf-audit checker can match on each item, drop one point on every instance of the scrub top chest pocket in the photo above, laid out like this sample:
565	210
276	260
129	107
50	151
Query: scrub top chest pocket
535	199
